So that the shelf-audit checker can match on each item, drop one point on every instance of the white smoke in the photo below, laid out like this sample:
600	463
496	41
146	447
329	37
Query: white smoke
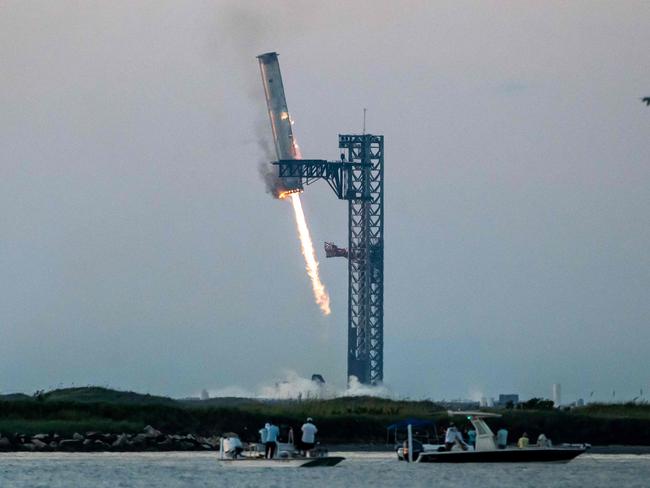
476	394
356	388
232	392
296	387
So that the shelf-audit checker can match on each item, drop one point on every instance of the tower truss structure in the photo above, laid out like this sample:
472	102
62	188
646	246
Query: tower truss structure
365	256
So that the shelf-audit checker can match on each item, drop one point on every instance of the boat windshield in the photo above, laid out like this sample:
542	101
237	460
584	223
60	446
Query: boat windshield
481	428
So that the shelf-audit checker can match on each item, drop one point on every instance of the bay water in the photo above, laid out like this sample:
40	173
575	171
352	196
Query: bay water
183	469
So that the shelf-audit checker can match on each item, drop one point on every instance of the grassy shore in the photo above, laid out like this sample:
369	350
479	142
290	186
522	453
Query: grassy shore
340	420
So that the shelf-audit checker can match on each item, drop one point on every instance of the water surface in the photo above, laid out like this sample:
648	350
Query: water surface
65	470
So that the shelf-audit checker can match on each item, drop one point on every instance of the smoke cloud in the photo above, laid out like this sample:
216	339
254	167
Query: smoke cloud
295	386
268	172
272	182
249	31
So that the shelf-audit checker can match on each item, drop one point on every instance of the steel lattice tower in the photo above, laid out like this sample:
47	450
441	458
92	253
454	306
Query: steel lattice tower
365	195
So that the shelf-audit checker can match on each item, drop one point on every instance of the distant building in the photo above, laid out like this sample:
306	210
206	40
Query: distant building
505	399
484	402
205	395
557	395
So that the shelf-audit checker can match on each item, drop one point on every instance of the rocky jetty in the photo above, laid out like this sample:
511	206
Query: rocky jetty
149	439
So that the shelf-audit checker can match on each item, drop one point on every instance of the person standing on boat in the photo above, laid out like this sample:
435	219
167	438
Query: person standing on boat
502	438
471	437
308	440
523	442
453	436
272	434
450	437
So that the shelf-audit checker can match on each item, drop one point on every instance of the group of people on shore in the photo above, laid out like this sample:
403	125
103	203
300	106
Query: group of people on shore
453	436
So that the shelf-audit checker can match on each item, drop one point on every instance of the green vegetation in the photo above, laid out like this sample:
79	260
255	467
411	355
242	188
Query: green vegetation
617	410
536	404
611	424
357	419
95	394
344	420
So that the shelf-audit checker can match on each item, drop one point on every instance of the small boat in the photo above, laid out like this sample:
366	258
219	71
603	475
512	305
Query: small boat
485	449
287	457
246	462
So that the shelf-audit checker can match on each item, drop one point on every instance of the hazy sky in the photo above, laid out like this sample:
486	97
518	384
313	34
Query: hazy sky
138	248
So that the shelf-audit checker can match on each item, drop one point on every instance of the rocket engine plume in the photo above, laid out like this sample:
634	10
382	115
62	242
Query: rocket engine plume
311	264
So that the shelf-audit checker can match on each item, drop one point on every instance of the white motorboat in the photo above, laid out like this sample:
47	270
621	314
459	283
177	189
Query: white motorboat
287	457
485	449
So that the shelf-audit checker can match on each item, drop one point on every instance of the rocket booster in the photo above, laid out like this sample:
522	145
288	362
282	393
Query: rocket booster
285	145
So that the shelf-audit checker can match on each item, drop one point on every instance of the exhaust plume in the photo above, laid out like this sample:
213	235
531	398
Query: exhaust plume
311	264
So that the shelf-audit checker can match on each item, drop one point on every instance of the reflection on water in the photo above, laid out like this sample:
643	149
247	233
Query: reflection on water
360	469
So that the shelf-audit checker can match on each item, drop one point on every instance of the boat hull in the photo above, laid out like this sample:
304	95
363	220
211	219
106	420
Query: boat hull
502	456
319	462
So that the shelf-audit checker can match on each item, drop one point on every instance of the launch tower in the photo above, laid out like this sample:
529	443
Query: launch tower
365	255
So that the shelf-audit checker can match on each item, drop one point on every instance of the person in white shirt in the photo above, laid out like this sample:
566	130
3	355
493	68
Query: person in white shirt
453	436
308	440
232	445
262	432
543	441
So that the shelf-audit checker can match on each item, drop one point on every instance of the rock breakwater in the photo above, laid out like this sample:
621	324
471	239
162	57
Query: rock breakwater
149	439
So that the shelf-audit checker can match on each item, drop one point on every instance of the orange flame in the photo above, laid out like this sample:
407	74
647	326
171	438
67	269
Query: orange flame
284	194
307	246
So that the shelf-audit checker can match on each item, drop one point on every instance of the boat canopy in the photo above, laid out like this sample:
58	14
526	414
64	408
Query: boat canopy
474	414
